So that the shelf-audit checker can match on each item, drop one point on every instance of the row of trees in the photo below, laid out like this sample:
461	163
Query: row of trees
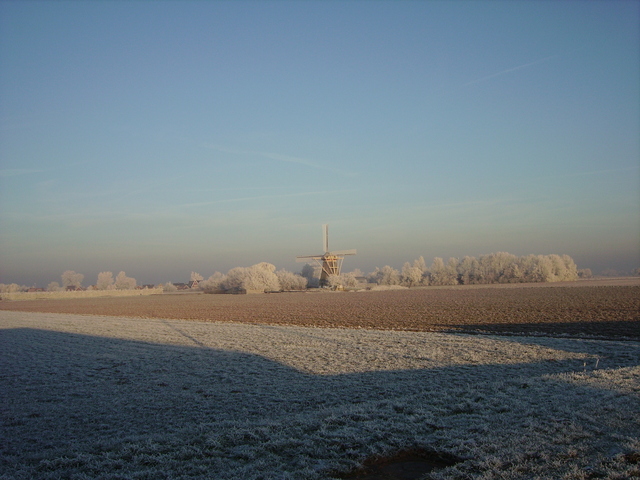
501	267
259	277
71	279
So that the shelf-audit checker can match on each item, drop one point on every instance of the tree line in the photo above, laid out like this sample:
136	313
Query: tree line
72	280
501	267
259	277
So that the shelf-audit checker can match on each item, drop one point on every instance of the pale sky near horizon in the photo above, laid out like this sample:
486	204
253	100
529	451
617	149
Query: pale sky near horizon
164	137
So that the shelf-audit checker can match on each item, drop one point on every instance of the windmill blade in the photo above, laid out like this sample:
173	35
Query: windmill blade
344	252
325	237
303	258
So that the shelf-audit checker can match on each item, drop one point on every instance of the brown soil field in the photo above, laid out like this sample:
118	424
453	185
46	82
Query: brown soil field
597	308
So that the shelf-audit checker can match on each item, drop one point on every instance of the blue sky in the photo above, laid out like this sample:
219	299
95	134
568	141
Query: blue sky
164	137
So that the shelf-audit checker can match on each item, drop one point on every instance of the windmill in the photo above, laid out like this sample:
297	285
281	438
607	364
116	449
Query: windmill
329	262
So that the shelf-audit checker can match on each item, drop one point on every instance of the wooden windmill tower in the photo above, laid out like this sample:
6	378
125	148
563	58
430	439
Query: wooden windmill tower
330	262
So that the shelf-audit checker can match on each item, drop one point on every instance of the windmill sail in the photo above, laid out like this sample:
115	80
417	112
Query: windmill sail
344	252
325	237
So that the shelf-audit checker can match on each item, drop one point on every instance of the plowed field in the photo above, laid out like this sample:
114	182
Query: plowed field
590	310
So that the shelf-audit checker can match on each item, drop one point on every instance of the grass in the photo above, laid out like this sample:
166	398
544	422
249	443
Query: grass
115	398
79	294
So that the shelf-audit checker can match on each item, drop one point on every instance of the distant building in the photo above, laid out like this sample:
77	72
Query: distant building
73	288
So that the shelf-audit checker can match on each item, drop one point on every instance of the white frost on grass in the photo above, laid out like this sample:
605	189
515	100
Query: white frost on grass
105	397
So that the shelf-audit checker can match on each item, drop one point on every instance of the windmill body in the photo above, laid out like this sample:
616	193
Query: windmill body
329	262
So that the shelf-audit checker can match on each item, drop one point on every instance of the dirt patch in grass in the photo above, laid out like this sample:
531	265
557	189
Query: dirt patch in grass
609	311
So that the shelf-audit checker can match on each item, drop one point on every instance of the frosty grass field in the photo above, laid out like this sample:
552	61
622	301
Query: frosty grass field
114	398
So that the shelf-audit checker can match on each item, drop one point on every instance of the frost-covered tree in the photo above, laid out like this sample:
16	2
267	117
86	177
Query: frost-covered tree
374	277
441	274
500	267
357	273
53	287
512	274
451	270
312	274
262	277
290	281
234	278
386	275
350	279
436	271
105	281
468	270
124	283
213	283
72	279
195	279
571	269
342	281
420	264
544	270
11	288
390	276
169	287
528	265
411	274
493	267
586	273
334	282
259	277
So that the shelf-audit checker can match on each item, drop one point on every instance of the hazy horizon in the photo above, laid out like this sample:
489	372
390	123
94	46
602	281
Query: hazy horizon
161	138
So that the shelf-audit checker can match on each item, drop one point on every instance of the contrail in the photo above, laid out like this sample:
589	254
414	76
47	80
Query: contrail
509	70
261	197
280	158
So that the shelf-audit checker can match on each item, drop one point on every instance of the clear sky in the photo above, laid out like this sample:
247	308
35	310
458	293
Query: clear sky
164	137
